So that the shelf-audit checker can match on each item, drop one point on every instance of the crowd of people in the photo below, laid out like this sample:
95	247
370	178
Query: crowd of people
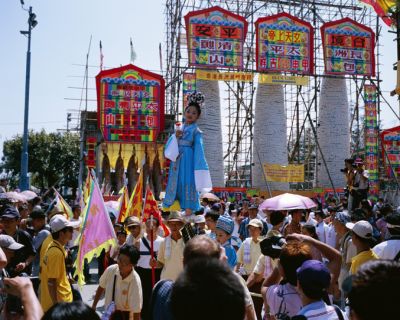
235	262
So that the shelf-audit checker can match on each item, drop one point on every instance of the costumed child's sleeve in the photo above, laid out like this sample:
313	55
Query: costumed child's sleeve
201	172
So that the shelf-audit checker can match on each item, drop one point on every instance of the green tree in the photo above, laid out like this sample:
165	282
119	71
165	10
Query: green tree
53	159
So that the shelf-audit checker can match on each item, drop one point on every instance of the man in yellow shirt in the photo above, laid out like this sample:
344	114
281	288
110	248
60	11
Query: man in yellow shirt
55	286
362	239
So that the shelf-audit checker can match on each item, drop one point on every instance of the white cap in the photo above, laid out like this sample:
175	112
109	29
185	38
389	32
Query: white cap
199	219
8	242
256	223
59	222
362	228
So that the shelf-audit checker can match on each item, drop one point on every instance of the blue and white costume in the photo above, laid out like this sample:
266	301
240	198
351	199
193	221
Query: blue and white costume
189	174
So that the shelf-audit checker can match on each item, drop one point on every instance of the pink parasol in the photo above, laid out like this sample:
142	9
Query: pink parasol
29	195
287	201
15	196
210	196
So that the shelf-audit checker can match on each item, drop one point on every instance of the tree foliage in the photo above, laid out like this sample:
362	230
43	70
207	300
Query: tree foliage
53	158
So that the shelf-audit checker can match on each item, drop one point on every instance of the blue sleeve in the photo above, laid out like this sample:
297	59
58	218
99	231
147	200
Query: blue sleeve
242	228
231	255
200	162
38	240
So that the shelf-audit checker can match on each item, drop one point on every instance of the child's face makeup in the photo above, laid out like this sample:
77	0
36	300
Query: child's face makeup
222	236
191	114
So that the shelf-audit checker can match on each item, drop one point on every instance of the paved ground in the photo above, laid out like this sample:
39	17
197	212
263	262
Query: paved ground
89	289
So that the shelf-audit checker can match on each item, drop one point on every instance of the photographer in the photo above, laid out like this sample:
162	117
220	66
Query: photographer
361	184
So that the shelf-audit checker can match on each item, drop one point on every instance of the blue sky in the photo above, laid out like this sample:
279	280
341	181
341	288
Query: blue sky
61	40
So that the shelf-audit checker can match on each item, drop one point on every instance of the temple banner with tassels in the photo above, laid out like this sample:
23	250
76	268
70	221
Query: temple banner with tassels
130	118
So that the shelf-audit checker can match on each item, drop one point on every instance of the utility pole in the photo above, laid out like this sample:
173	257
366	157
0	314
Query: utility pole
68	120
24	179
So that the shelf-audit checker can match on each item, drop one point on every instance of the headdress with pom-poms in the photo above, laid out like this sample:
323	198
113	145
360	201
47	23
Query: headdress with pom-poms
196	97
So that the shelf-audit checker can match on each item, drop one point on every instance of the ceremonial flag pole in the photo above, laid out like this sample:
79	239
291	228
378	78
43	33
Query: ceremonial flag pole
153	270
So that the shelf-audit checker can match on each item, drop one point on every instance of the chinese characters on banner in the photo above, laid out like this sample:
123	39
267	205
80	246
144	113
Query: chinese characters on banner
130	104
215	38
284	44
188	86
279	173
371	138
348	48
210	75
390	139
90	159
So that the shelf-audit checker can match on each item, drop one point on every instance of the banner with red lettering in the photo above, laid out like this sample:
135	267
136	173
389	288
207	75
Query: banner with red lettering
188	86
215	38
390	143
371	134
284	44
348	48
130	104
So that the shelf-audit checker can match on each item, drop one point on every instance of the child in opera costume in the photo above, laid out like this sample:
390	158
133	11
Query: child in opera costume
188	174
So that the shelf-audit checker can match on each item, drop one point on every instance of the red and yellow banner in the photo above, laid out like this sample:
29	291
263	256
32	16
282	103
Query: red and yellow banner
188	86
130	104
348	48
284	44
390	142
371	134
215	38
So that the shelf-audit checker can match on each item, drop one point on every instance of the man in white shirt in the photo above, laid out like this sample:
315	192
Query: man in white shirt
170	254
321	228
121	284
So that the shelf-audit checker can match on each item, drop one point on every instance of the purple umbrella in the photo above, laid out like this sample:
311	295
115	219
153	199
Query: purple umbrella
287	201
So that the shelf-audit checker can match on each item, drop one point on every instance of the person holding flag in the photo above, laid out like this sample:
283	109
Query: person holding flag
170	254
97	232
148	246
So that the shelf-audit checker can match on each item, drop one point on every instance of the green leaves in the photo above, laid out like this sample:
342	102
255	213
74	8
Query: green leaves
52	157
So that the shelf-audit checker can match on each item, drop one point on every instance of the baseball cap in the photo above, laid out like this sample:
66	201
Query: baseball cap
199	219
342	217
225	224
256	223
9	243
314	277
59	222
362	228
10	212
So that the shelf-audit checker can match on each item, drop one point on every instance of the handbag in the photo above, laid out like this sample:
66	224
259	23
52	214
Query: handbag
111	307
